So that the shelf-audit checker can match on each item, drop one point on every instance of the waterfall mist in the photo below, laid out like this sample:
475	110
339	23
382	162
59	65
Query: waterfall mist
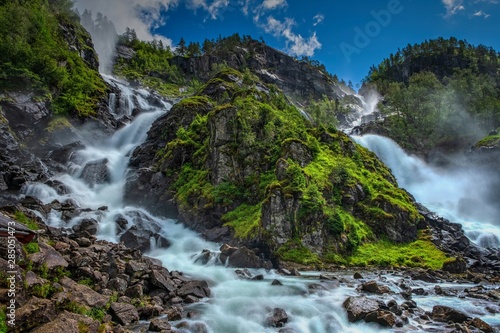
458	192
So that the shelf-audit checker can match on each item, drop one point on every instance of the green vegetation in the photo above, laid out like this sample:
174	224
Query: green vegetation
36	54
442	93
294	251
31	247
3	320
23	219
327	184
492	140
43	290
421	253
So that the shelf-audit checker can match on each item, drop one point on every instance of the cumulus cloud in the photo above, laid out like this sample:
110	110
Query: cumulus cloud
474	8
296	44
140	15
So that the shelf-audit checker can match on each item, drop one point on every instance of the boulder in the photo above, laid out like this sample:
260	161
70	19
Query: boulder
82	294
35	312
447	314
373	287
456	266
358	307
68	322
161	279
198	288
123	313
159	325
96	172
277	318
381	317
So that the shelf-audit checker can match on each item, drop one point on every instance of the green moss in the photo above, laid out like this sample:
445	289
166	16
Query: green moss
97	313
295	251
3	320
58	123
86	282
23	219
245	220
31	247
43	290
421	253
489	141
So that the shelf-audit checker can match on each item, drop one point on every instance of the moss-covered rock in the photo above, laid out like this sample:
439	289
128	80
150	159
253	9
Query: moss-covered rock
243	165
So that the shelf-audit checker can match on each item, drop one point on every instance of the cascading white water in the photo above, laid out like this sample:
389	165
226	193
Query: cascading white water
236	305
444	191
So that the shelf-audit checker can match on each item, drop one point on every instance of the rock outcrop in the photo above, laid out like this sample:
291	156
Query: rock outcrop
243	166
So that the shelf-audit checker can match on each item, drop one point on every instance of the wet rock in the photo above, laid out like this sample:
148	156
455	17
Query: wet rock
447	314
63	154
96	172
373	287
276	283
277	318
198	289
49	257
358	307
456	266
357	276
482	325
159	325
123	313
381	317
161	279
242	258
173	313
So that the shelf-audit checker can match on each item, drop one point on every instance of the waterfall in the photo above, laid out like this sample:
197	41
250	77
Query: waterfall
236	305
449	192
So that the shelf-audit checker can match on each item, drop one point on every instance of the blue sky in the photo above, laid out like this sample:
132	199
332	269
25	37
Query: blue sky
346	36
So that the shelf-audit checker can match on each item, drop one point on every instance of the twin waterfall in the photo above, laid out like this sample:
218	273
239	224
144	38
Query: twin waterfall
238	305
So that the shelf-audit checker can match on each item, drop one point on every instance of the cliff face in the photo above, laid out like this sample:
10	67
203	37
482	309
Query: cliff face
295	78
242	165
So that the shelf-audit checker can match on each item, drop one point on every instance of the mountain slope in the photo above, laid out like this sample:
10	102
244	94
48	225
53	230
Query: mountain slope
242	165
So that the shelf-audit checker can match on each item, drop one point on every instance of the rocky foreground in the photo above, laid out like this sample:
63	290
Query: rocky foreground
71	282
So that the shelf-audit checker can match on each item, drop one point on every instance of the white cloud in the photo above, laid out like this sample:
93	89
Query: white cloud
214	9
318	18
140	15
453	7
296	44
273	4
481	13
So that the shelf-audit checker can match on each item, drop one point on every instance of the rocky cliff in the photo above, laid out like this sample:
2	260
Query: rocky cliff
242	165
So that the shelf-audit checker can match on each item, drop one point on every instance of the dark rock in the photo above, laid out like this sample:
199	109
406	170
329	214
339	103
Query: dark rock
63	154
123	313
373	287
276	283
357	276
137	238
68	322
358	307
482	325
161	279
199	289
447	314
277	318
456	266
173	313
82	294
159	325
242	258
34	313
96	172
117	284
381	317
258	277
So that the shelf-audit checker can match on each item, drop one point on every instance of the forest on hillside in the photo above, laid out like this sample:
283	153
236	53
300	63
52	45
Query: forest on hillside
442	93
